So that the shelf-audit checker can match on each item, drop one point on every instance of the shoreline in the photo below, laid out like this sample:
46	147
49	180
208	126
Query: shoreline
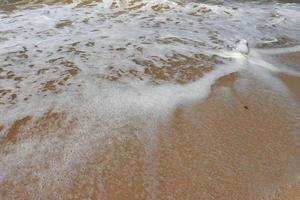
236	144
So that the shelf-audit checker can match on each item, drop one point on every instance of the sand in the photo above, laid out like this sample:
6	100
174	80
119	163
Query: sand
231	146
114	102
293	83
234	145
228	147
293	60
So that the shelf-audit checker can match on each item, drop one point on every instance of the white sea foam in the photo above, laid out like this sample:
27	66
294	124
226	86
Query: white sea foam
42	44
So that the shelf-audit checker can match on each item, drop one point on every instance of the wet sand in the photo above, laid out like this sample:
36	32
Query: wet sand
293	60
119	101
234	145
293	83
231	146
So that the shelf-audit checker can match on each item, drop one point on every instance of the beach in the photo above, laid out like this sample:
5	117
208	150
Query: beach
111	102
232	145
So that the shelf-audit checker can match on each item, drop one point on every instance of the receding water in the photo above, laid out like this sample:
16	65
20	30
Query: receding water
105	63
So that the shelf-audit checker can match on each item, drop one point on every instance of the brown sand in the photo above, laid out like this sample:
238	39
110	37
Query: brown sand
228	147
231	146
293	60
293	83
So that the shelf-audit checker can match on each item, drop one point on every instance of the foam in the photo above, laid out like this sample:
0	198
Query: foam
38	29
99	37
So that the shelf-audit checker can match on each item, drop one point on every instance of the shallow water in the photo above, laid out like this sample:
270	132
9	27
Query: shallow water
95	69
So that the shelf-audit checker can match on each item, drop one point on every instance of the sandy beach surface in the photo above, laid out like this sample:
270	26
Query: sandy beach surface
292	59
236	144
104	102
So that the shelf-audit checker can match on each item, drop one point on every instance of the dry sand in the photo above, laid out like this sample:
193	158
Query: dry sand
234	145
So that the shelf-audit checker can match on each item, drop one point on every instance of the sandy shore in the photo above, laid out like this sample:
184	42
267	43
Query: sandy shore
232	146
293	60
149	99
228	147
235	145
